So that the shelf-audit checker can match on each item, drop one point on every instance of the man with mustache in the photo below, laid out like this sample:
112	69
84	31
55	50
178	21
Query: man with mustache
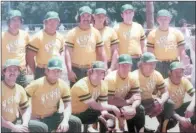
84	46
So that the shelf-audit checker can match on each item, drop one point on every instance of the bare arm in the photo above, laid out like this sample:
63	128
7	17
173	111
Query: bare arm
181	52
101	55
142	42
164	94
7	124
26	116
30	55
67	112
68	55
114	51
134	100
149	49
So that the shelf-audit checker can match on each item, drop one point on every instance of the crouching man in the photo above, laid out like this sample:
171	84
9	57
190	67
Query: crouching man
46	93
14	100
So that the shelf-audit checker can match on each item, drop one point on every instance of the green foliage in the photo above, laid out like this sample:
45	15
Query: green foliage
34	11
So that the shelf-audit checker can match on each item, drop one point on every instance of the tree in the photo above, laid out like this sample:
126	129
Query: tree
149	14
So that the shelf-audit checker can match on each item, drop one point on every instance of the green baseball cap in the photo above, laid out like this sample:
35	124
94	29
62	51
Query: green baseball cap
51	15
14	13
100	11
164	12
98	65
85	9
11	62
55	63
126	7
125	59
176	65
148	57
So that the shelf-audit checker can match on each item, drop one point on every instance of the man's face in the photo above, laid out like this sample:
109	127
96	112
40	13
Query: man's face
97	75
53	75
100	18
177	73
52	24
15	23
127	15
148	68
11	73
85	19
124	69
163	21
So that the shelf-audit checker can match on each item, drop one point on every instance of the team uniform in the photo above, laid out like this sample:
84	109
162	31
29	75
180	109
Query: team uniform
150	89
14	99
119	87
84	44
13	47
177	94
109	38
46	46
83	91
130	37
47	96
165	44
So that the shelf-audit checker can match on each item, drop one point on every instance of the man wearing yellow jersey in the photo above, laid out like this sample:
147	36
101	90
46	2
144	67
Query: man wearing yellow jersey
14	42
178	86
85	45
44	45
165	42
109	37
46	93
131	35
14	98
120	84
154	92
90	95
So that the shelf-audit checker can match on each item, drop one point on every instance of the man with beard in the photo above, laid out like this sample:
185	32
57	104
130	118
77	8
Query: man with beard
85	45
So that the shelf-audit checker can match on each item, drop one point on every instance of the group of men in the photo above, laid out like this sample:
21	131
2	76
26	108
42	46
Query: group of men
114	81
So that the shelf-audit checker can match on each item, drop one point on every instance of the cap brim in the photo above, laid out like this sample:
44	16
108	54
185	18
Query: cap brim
12	65
125	62
177	68
52	18
85	12
53	68
98	69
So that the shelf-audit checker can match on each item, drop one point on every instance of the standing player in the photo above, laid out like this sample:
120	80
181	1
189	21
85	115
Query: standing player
131	35
177	86
85	45
46	93
121	83
14	42
154	92
45	44
166	43
14	99
90	95
109	37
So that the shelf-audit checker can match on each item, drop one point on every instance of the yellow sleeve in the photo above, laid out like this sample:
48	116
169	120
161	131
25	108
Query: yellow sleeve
188	86
82	93
65	93
34	43
114	38
143	36
134	83
99	41
160	82
110	85
23	99
151	40
69	39
104	92
180	38
31	88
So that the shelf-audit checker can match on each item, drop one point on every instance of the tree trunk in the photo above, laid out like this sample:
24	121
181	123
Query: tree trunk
149	14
